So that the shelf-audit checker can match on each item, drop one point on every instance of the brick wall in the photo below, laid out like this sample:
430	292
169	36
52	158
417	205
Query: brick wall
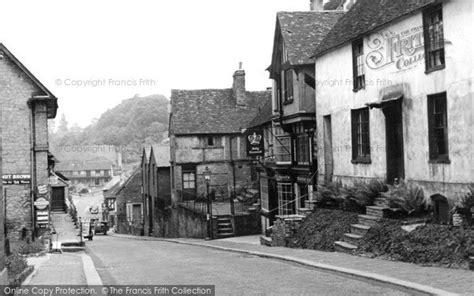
284	229
16	88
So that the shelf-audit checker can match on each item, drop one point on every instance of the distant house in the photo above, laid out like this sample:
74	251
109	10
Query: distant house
206	132
129	205
156	186
92	173
26	105
395	98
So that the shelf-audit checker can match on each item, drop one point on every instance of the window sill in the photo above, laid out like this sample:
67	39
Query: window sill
434	69
362	160
440	161
287	102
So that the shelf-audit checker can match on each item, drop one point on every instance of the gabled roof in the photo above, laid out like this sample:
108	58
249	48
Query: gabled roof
146	154
212	111
160	155
366	16
301	32
264	115
131	188
46	95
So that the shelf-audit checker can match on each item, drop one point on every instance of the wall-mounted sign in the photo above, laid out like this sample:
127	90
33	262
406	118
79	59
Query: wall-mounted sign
42	189
303	179
15	179
254	139
403	49
41	203
42	218
283	178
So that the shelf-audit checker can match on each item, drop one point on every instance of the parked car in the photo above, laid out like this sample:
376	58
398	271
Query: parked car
100	227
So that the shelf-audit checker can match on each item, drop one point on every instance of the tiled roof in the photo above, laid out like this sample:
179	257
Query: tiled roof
79	165
264	115
303	31
212	111
366	16
161	153
130	191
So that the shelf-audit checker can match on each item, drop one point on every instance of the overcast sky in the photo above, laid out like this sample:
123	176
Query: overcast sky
94	54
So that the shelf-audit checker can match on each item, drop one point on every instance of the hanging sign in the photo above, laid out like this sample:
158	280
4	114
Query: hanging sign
41	203
254	140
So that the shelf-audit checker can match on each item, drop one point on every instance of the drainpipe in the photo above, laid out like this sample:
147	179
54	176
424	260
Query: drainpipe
32	165
232	209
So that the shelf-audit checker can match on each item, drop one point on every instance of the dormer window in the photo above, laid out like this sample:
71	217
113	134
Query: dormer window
358	64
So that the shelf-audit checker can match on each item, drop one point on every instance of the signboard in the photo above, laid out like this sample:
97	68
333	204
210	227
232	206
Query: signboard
41	203
16	179
303	179
254	140
283	178
42	218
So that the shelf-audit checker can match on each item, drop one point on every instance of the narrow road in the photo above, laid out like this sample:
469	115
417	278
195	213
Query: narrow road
128	261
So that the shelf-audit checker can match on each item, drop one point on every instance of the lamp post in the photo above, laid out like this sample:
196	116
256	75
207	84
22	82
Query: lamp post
207	179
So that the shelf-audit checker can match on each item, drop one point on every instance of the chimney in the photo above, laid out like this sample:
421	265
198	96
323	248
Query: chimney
238	87
316	5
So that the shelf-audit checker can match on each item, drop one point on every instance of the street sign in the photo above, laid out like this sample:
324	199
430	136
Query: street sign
41	203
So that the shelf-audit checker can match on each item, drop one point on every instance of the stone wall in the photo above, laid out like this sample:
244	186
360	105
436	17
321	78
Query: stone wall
284	229
179	222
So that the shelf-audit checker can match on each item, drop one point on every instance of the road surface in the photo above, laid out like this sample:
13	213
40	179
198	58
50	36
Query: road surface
134	262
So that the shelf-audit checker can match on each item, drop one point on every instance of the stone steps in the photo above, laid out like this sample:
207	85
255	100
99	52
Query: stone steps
377	211
344	247
368	220
359	229
224	227
352	238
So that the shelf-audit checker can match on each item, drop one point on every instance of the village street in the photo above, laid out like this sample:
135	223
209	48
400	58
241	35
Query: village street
133	261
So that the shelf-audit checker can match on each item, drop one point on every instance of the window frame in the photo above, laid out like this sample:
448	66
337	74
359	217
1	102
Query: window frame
358	64
438	39
189	181
288	85
286	206
434	155
360	135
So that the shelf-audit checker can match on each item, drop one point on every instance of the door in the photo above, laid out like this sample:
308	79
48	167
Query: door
57	202
328	153
394	141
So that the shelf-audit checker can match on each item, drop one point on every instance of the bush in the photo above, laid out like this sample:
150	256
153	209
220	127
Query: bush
329	195
31	248
430	244
407	197
362	194
464	205
15	265
322	228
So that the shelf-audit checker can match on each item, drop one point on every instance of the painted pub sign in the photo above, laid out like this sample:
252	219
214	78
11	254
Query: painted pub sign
16	179
254	140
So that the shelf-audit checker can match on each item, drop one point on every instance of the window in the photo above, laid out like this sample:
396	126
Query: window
360	136
286	202
210	141
282	145
264	194
303	189
97	182
301	145
438	127
358	64
111	204
434	38
189	180
288	86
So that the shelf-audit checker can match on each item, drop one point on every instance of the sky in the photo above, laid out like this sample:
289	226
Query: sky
93	54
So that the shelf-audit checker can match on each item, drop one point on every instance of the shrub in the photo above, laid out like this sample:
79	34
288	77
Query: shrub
31	248
464	205
329	195
430	244
407	197
362	194
322	228
15	265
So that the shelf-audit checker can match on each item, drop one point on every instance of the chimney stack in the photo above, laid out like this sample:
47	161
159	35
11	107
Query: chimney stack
348	4
238	87
316	5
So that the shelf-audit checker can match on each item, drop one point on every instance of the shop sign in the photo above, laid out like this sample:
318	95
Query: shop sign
254	139
303	179
42	189
41	203
16	179
283	178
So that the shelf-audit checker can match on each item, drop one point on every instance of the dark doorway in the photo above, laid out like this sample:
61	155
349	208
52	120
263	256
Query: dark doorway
272	199
394	140
328	153
440	209
57	203
150	215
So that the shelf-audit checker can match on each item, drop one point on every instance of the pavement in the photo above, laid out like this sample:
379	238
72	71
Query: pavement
78	268
430	280
64	228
